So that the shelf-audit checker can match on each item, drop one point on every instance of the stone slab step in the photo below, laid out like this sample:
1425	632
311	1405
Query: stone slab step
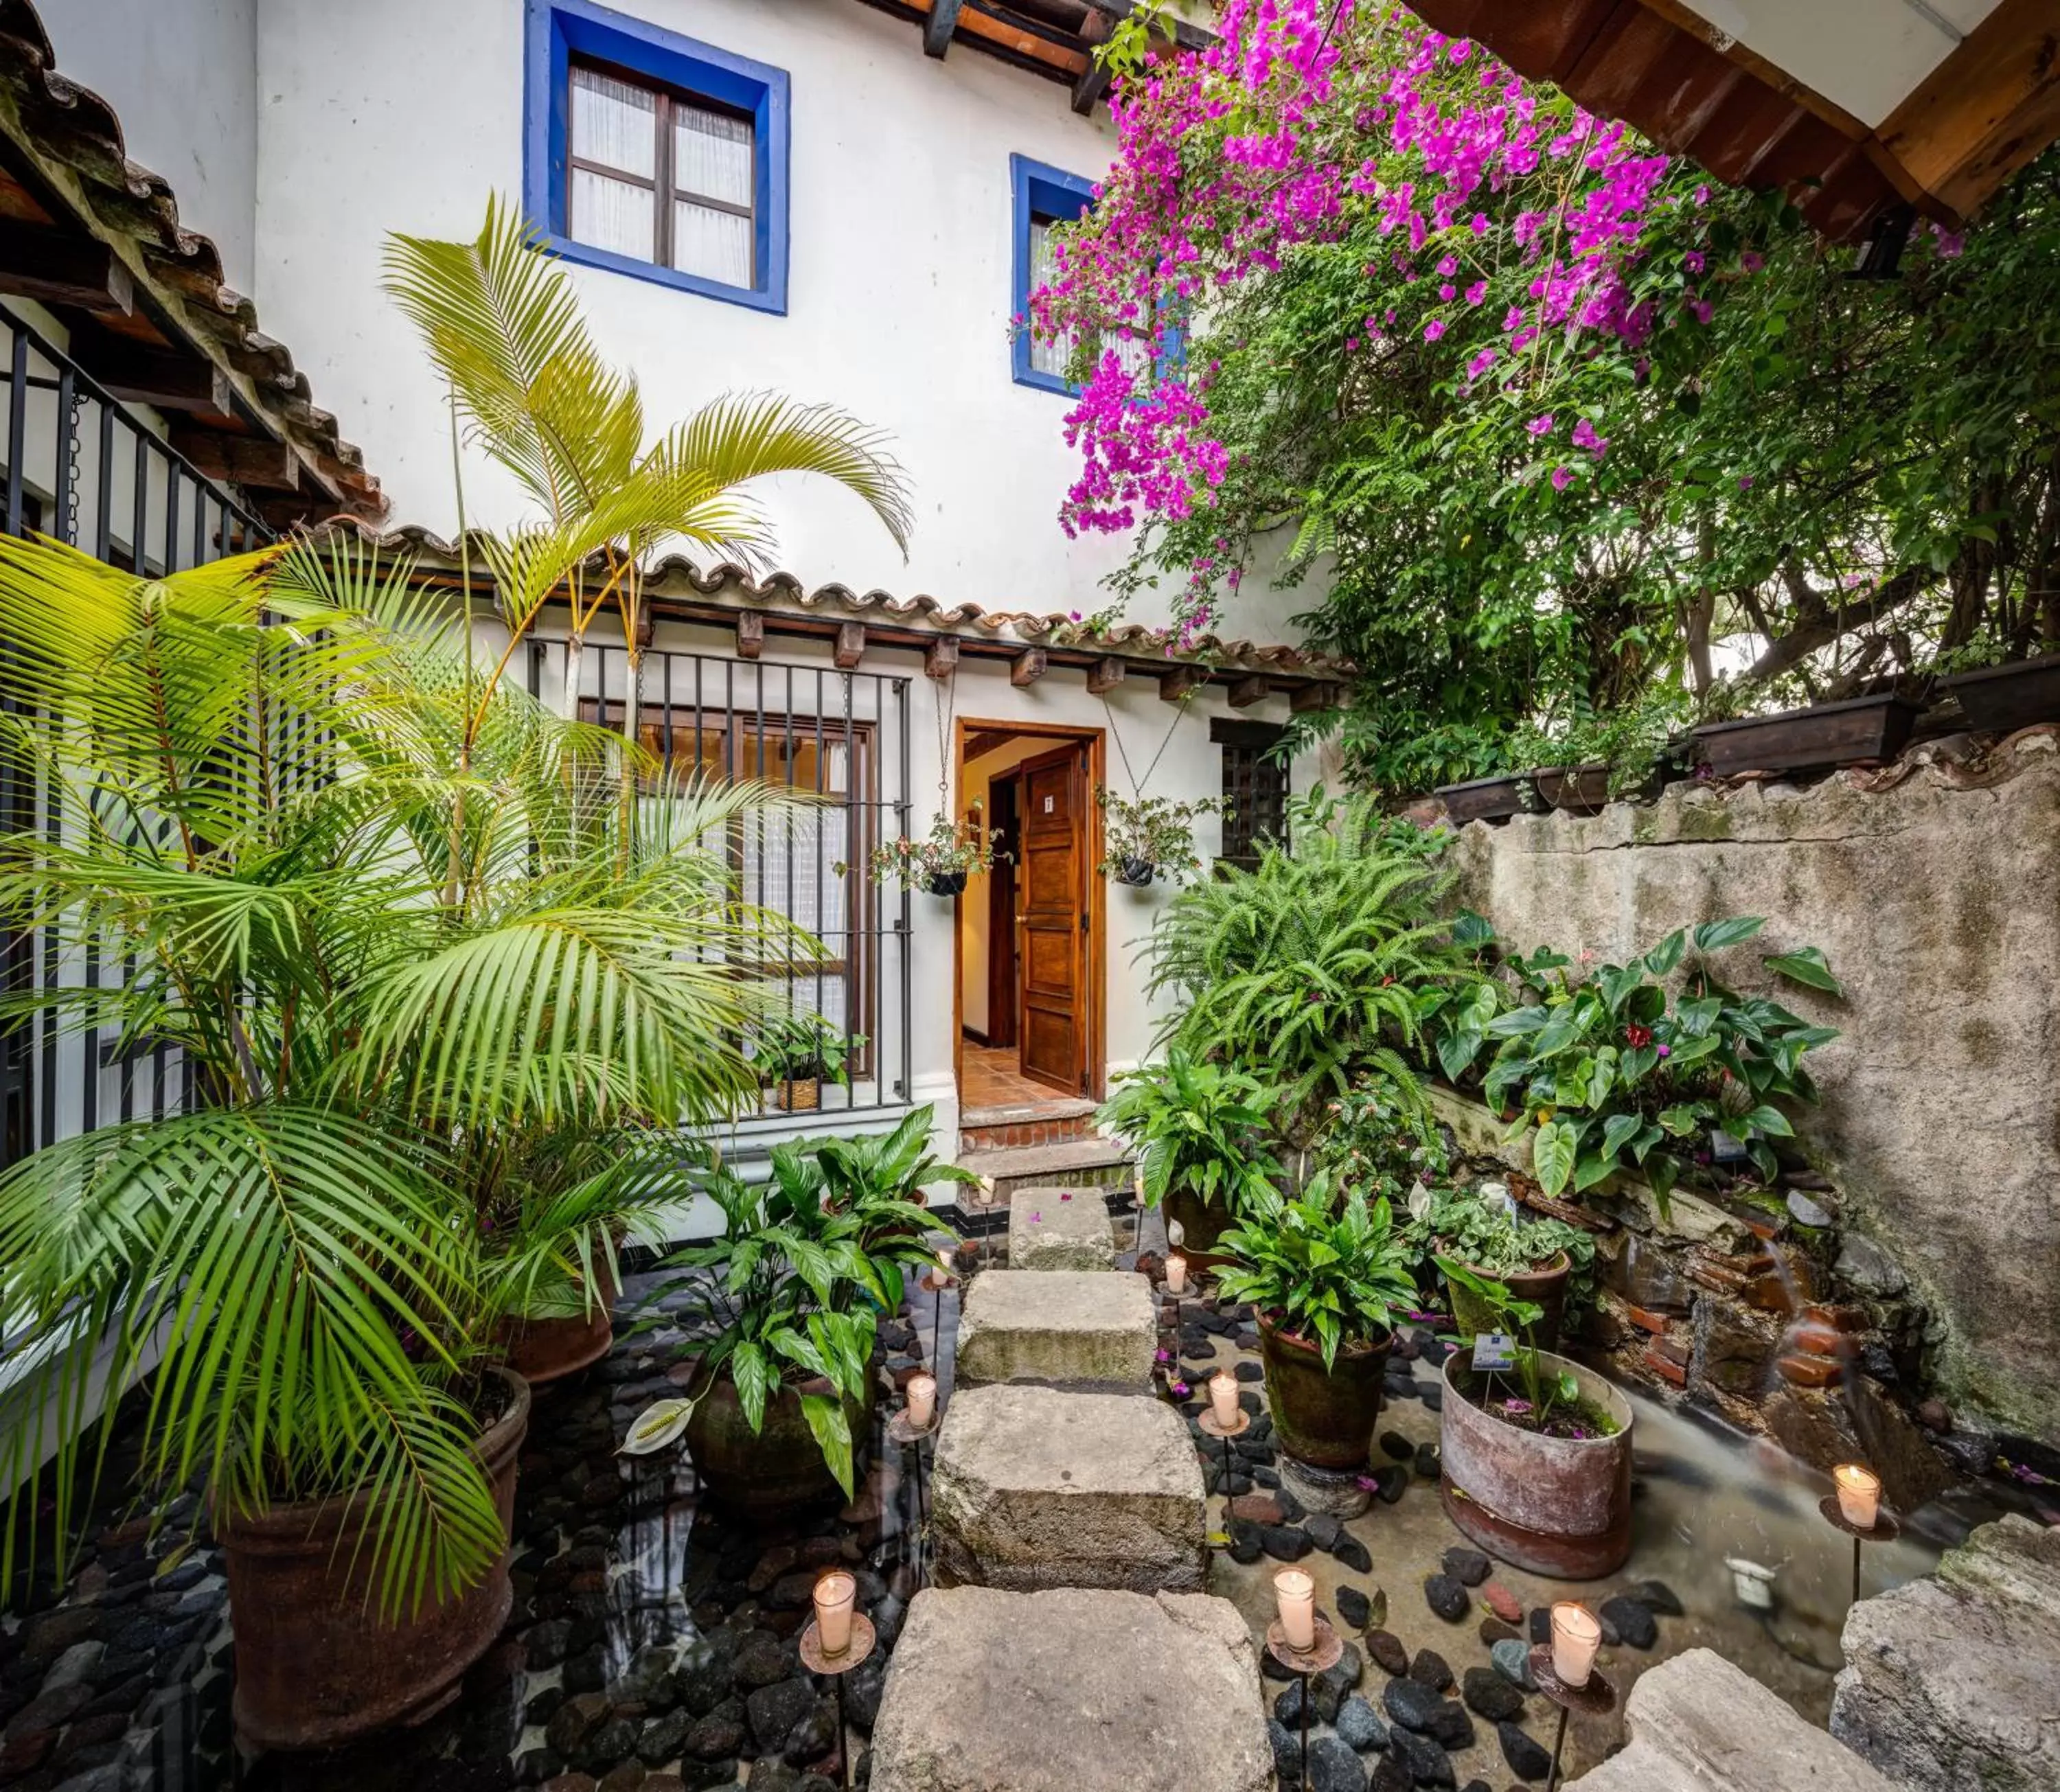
1954	1680
1697	1724
1103	1162
1071	1691
1062	1327
1035	1487
1052	1227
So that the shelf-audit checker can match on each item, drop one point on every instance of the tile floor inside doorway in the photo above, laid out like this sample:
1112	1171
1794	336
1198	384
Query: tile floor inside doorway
988	1078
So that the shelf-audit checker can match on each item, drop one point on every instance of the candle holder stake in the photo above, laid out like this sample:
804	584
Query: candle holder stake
909	1438
1324	1653
1596	1699
864	1639
1886	1530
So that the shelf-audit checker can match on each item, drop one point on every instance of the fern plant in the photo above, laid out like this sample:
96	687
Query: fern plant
1310	967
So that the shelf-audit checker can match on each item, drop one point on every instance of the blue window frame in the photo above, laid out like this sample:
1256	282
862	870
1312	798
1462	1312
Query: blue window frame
1042	196
727	115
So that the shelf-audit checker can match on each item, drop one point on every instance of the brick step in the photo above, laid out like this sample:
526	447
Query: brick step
1037	1123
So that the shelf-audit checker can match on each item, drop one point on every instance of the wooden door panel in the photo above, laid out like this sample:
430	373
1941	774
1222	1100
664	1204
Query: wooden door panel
1053	957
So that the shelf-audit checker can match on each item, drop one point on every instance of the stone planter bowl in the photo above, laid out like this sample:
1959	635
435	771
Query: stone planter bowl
1555	1506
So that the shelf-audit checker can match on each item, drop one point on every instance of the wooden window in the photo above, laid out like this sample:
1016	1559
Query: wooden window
661	176
1255	789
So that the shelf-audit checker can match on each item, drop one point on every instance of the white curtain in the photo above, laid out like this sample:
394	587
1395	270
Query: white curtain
788	866
615	124
712	155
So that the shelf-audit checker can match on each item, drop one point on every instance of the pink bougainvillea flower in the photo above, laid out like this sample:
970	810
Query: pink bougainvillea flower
1477	292
1433	329
1562	478
1179	1390
1065	1195
1540	425
1036	1217
1744	482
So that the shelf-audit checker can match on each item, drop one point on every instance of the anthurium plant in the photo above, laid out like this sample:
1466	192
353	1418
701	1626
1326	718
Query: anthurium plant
1334	1269
1196	1127
1613	1067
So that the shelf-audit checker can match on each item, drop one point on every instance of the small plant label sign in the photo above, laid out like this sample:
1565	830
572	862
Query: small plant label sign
1494	1350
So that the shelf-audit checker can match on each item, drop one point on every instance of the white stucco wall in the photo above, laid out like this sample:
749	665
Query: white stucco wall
387	114
182	75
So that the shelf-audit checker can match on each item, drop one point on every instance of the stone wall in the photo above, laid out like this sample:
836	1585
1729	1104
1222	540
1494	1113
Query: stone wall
1934	888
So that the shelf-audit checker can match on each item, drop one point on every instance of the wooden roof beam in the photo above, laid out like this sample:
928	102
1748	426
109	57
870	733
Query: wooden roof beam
58	268
1104	675
254	460
139	374
1176	682
850	646
1247	690
937	29
940	658
750	634
1028	667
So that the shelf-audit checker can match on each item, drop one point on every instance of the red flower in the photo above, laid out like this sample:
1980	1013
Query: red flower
1637	1035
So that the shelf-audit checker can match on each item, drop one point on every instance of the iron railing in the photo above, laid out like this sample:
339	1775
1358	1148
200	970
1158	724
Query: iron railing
841	739
79	465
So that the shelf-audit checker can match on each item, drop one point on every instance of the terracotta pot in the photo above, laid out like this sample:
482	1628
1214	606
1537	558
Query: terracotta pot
1325	1417
316	1666
1545	1286
544	1350
1201	1224
778	1469
1555	1506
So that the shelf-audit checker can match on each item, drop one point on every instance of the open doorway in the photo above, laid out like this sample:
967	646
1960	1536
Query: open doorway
1030	965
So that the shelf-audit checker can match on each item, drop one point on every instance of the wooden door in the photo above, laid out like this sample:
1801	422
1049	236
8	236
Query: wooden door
1001	979
1051	892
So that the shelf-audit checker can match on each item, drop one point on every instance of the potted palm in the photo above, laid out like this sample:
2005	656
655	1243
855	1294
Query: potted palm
1534	1258
796	1055
1536	1450
1326	1276
788	1297
1196	1132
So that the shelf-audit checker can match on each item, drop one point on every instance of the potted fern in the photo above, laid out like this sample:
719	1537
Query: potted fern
1327	1273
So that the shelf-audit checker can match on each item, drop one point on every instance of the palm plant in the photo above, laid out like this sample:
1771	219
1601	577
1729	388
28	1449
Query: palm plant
441	1002
502	326
1309	968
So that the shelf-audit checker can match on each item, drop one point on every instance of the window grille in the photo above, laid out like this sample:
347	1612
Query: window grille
1255	789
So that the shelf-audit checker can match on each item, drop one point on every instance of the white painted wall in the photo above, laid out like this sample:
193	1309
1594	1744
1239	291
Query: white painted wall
182	75
389	114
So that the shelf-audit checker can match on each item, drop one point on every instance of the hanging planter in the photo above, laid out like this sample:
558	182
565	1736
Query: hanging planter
938	863
1151	838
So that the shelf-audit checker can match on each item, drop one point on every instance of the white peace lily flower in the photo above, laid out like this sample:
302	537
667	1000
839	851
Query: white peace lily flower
656	1426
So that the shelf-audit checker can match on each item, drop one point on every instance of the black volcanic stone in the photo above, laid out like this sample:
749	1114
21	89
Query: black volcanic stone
1469	1567
1446	1597
1284	1543
717	1735
1359	1725
1490	1696
1287	1747
1428	1463
1386	1648
1333	1767
1392	1483
1634	1623
1526	1756
1431	1668
1410	1703
1450	1725
815	1735
1337	1681
1394	1444
1354	1608
1432	1396
1389	1775
664	1737
1287	1707
1657	1596
1352	1553
1541	1624
1426	1763
775	1709
1249	1371
1324	1528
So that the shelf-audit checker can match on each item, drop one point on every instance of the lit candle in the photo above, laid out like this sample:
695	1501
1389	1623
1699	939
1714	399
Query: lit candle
1222	1397
1576	1635
1176	1273
837	1592
984	1193
1296	1593
1859	1495
922	1400
944	1264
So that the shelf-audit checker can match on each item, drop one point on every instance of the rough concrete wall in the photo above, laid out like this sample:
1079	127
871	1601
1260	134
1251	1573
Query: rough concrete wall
1934	890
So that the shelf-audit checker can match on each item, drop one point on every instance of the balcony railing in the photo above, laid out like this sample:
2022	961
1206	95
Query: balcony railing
80	466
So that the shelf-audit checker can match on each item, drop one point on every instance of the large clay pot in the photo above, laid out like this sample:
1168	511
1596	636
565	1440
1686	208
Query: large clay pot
779	1468
1555	1506
315	1666
544	1350
1545	1286
1325	1417
1201	1224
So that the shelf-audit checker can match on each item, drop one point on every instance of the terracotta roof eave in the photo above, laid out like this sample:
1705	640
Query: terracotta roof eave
676	582
74	137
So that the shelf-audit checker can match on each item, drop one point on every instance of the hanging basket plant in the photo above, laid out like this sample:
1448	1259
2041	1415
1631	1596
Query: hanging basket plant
1153	836
939	863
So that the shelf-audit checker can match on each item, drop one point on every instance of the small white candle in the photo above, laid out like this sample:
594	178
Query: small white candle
922	1400
1576	1635
1859	1495
1296	1593
983	1193
1176	1273
1222	1398
945	1263
837	1592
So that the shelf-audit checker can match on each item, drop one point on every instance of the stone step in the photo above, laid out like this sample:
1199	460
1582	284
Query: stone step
1954	1680
1697	1724
1105	1162
1035	1487
1052	1227
1062	1327
1071	1691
